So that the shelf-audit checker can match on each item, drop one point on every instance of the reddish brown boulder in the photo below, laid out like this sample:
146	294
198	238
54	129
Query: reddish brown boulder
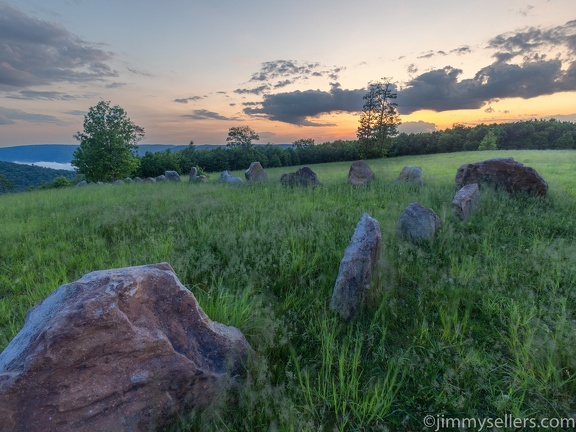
356	268
502	173
117	350
255	172
466	201
360	173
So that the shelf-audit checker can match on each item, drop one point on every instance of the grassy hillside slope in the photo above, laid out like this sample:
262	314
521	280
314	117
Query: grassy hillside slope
480	323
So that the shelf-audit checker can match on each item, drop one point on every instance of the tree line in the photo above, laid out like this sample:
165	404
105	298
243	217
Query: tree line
108	143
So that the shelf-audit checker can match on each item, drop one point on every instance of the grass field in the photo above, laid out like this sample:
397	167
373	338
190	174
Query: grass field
479	323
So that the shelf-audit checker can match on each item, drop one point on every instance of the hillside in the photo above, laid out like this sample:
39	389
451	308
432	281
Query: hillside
25	177
478	323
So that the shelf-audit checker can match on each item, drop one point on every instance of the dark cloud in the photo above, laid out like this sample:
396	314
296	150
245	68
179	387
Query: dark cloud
412	68
35	52
289	72
461	50
41	95
255	91
115	85
525	43
10	116
76	113
440	90
203	114
191	98
296	107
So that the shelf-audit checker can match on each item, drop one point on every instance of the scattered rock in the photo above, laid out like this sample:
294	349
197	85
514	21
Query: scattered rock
82	183
410	175
138	180
99	183
127	180
356	268
118	350
255	172
418	224
194	174
172	176
161	178
466	201
303	177
203	178
502	173
360	173
150	180
118	182
225	177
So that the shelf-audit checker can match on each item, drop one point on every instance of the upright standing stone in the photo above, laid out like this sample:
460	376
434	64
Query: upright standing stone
418	224
360	173
255	172
410	175
502	173
356	268
466	201
118	350
194	174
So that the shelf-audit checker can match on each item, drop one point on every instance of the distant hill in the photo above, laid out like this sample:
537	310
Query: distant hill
62	153
25	177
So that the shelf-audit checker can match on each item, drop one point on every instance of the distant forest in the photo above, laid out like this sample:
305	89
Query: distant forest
19	177
527	135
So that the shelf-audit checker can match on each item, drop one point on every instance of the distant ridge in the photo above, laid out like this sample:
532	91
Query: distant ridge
62	153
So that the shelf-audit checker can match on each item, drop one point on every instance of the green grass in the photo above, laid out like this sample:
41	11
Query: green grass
478	323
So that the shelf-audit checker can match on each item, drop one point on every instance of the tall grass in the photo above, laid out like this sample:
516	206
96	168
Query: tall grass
478	323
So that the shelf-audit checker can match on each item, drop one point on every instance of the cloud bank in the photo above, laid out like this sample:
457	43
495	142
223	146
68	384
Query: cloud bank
35	52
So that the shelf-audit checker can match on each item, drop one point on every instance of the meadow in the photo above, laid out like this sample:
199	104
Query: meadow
479	323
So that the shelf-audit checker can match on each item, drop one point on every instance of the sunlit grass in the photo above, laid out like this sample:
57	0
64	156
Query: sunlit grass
480	322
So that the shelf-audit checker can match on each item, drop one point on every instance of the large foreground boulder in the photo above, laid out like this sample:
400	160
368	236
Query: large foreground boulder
502	173
255	172
117	350
303	177
418	224
356	268
360	173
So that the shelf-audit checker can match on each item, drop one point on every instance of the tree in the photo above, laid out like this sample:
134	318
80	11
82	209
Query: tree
107	149
488	142
241	136
5	184
379	119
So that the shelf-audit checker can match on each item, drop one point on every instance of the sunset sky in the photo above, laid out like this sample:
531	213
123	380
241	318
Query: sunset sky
288	69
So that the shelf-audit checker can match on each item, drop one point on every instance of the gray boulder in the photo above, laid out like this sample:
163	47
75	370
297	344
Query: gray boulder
410	175
256	173
118	182
118	350
161	178
418	224
172	176
303	177
360	173
356	268
194	174
466	201
83	183
138	180
150	180
127	180
502	174
225	177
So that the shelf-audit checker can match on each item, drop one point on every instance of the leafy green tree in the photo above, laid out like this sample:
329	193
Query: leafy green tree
489	142
107	149
566	141
379	119
5	184
241	136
